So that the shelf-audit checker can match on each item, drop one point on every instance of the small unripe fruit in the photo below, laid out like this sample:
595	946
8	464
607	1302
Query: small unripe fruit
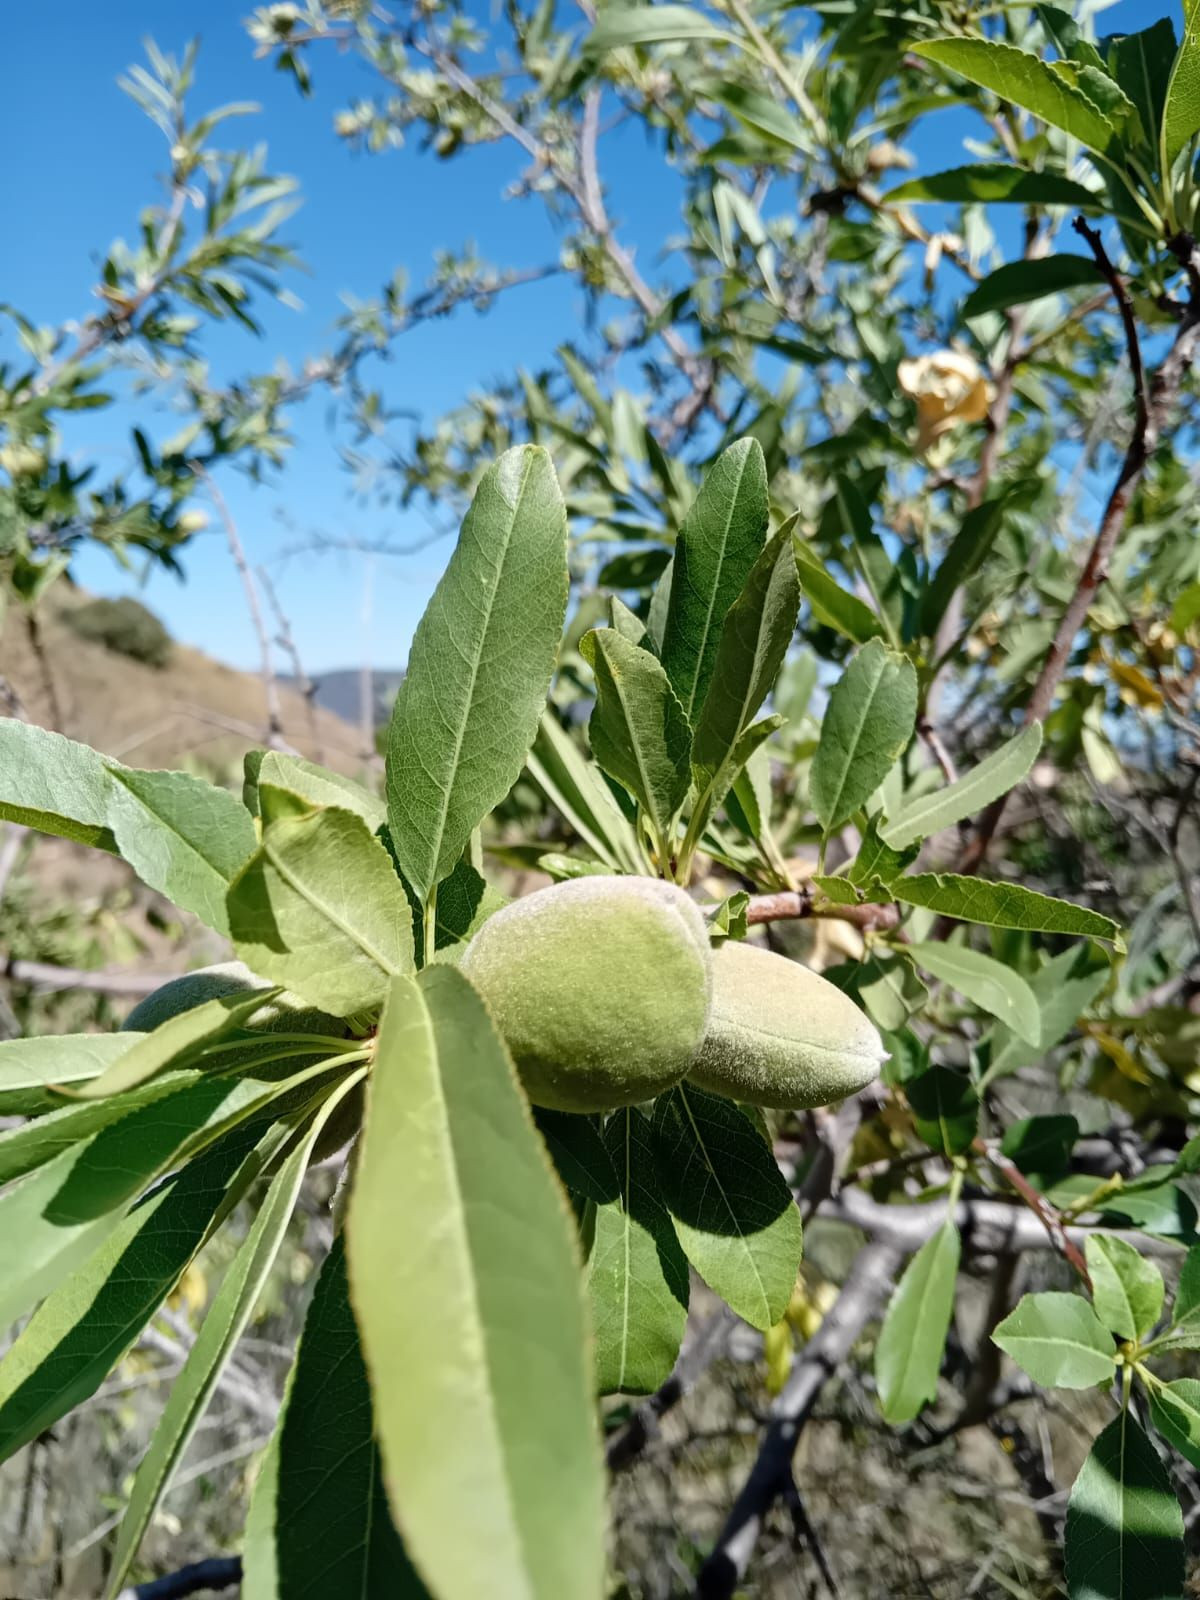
780	1035
287	1013
600	987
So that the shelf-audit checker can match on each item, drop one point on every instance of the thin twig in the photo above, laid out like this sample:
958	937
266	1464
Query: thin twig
791	905
287	643
1039	1205
274	732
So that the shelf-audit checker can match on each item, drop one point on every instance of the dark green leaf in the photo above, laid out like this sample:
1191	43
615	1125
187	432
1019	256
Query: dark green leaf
831	604
993	181
1019	282
637	1273
945	1109
1124	1535
1040	1147
733	1211
580	1156
1142	65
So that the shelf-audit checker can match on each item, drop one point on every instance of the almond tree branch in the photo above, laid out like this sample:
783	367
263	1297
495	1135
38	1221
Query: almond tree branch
791	905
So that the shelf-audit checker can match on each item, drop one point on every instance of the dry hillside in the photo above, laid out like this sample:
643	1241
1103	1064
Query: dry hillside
194	710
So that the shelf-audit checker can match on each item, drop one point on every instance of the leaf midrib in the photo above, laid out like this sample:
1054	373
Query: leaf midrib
690	706
298	887
703	1148
849	762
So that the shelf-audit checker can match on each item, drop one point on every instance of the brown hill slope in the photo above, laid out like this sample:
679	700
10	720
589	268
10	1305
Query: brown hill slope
193	711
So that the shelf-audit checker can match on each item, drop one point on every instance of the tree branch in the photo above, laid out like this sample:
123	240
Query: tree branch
792	905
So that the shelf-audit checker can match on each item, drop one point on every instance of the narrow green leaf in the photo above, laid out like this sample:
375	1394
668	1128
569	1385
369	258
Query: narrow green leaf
1181	113
754	640
1142	65
869	721
1019	282
719	542
877	863
623	25
945	1108
875	566
912	1340
319	909
479	668
1127	1290
763	113
327	1530
994	181
885	984
995	775
55	1217
54	785
831	604
1026	80
967	552
1124	1534
321	786
1058	1340
637	1272
29	1067
1175	1412
578	791
219	1333
1003	905
626	622
81	1331
1063	988
454	1331
176	1042
733	1212
182	836
638	731
987	983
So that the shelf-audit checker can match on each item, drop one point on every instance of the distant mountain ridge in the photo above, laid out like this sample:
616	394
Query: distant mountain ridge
340	691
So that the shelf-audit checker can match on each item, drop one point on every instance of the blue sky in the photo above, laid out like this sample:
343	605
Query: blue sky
87	166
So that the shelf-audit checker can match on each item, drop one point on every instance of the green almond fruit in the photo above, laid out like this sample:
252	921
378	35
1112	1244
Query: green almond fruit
780	1035
287	1013
600	987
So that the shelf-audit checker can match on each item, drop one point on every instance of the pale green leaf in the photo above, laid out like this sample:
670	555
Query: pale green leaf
1127	1290
1002	905
830	603
994	776
1025	80
733	1212
1181	115
322	787
320	910
637	1272
619	26
473	1331
182	836
80	1332
479	668
868	722
176	1042
53	784
1058	1340
579	793
223	1325
638	732
912	1340
1063	988
719	542
986	982
29	1067
1124	1533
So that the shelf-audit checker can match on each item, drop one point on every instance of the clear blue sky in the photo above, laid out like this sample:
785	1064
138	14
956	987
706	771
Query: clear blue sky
86	166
